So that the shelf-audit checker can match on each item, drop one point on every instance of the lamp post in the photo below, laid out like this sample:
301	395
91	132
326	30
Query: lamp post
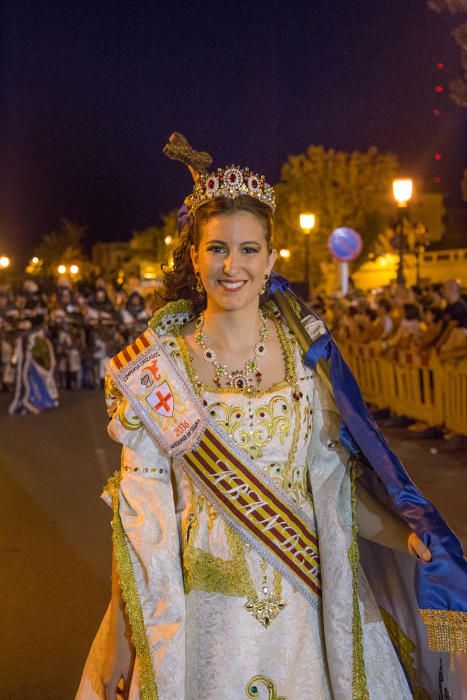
402	191
307	224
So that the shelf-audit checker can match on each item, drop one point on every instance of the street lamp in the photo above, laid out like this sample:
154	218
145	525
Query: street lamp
74	269
284	253
168	240
402	191
307	224
4	262
61	269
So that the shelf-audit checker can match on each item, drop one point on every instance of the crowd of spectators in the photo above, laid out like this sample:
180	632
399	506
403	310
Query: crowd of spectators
88	325
425	319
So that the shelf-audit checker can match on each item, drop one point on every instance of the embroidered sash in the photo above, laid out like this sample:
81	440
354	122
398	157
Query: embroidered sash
264	517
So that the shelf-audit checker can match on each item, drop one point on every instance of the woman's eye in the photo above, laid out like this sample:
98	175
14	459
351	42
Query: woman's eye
216	249
249	251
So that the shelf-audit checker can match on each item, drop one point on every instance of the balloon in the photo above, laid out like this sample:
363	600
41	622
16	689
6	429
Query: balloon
345	244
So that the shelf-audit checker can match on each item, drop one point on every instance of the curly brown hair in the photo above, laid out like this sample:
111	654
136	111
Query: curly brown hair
179	281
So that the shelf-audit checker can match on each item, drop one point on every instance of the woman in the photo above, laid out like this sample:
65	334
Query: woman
214	607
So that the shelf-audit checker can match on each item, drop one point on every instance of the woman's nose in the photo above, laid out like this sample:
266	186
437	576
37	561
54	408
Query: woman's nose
230	263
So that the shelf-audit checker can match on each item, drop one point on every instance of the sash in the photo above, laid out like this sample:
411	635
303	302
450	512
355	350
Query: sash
264	517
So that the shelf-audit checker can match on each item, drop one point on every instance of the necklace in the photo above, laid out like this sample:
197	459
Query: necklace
240	378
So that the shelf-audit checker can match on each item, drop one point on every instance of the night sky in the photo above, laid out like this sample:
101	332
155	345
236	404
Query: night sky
90	92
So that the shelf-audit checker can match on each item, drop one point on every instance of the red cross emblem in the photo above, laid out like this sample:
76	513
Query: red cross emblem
161	400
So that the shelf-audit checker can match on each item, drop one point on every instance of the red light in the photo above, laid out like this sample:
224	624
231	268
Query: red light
439	88
436	112
438	156
440	66
437	180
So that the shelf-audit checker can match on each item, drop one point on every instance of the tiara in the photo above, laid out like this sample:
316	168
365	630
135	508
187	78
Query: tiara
231	182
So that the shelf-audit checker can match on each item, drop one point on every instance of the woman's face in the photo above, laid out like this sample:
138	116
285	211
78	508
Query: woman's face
232	260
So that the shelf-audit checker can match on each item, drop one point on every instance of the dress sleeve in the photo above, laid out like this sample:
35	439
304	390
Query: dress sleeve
147	550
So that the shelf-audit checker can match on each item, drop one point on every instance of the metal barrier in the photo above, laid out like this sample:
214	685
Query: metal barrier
412	385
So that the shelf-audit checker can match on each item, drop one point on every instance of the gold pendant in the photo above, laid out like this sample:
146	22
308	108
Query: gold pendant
265	607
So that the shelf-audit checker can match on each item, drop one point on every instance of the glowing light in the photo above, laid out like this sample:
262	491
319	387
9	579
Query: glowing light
383	261
284	253
440	66
61	269
168	240
74	269
4	262
438	156
439	88
35	260
307	222
402	190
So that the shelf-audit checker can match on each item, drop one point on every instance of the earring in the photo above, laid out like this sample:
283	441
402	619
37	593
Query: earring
199	284
263	287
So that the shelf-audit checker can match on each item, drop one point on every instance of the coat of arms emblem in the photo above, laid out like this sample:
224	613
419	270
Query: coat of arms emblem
161	400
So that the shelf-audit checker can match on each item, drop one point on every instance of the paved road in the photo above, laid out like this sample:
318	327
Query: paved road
55	536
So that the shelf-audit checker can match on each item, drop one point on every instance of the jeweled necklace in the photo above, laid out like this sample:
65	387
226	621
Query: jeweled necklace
240	378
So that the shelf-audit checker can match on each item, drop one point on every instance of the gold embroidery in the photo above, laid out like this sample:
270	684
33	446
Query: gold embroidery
359	684
126	576
252	689
406	648
129	422
165	319
206	572
271	418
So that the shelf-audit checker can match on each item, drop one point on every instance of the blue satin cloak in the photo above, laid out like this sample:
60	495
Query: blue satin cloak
440	584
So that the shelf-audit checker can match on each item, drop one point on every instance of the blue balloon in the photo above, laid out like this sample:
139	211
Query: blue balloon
345	244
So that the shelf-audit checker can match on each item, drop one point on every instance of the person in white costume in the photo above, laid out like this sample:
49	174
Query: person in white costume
196	612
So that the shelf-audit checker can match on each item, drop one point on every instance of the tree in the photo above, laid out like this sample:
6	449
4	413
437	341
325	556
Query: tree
63	246
341	189
458	87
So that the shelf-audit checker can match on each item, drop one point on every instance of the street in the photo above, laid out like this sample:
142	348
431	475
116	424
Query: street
55	546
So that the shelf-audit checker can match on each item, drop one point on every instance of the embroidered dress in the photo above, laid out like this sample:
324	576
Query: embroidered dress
203	630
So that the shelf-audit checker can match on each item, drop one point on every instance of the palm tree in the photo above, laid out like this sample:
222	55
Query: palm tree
62	246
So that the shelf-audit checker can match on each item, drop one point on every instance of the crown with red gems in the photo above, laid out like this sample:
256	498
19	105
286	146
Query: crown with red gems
231	182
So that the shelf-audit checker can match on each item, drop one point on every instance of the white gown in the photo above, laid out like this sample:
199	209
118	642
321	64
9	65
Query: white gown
194	576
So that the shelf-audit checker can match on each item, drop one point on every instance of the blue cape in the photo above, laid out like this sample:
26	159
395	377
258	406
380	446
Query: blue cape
440	584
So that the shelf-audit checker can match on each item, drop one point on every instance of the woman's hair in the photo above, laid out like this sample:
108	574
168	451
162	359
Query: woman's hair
411	312
385	304
180	281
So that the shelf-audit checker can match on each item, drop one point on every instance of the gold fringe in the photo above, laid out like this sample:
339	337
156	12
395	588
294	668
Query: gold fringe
359	684
126	576
447	630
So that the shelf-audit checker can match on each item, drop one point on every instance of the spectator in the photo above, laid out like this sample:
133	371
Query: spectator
435	324
409	328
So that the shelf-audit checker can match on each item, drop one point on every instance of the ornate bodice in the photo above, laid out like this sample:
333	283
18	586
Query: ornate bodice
272	426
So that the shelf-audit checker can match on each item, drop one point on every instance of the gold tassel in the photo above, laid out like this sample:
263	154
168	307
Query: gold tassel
447	630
